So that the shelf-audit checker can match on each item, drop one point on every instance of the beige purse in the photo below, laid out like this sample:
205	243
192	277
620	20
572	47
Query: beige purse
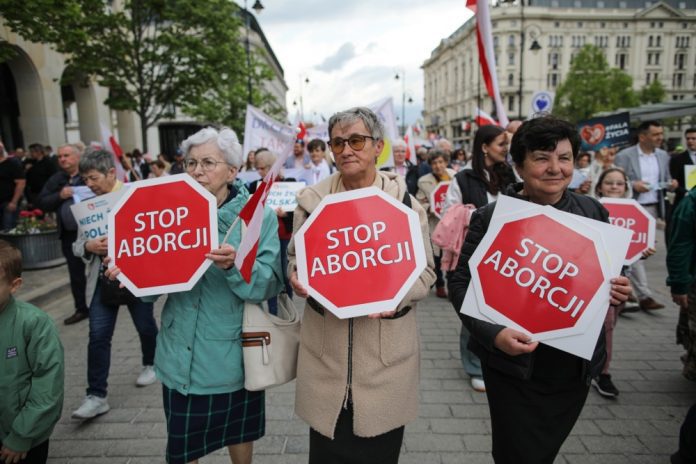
270	344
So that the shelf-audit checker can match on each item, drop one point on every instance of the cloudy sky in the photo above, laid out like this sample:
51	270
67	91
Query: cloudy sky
350	50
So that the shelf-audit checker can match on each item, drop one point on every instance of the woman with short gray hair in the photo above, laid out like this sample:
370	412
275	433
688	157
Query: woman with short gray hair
199	353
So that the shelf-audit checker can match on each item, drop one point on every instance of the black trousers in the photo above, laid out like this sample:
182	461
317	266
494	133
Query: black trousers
76	268
531	418
36	455
347	448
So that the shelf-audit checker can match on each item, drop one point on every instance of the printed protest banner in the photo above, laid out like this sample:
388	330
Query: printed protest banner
605	131
363	240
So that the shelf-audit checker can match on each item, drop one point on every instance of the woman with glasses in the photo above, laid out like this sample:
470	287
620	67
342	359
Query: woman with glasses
199	352
357	378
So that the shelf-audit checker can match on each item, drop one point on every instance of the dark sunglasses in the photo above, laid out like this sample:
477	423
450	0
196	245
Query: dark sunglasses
356	142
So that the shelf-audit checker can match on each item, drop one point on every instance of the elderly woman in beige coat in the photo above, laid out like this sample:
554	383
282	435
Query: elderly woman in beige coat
437	159
357	378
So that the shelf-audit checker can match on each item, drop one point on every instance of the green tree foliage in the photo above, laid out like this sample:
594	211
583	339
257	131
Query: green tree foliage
152	55
592	86
653	93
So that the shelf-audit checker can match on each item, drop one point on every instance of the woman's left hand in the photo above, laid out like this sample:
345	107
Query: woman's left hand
620	289
223	257
649	252
381	315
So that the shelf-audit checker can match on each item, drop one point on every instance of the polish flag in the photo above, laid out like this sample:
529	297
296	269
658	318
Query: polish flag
410	144
109	143
484	119
252	215
487	54
301	131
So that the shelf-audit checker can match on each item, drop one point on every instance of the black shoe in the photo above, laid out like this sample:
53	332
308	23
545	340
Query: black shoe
605	386
75	318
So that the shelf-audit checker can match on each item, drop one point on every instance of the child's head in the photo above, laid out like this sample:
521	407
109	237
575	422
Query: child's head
612	183
10	271
317	151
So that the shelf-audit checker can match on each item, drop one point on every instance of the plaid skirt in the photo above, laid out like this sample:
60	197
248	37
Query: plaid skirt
197	425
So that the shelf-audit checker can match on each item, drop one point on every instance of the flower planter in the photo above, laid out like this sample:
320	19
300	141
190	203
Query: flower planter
40	250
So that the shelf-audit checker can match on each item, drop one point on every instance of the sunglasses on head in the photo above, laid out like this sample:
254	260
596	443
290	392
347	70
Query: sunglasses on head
356	142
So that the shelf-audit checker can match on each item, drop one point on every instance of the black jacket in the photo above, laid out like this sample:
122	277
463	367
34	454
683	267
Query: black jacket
484	333
49	200
473	188
676	170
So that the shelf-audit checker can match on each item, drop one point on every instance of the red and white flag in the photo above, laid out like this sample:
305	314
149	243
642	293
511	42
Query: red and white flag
487	54
252	215
109	143
484	119
410	144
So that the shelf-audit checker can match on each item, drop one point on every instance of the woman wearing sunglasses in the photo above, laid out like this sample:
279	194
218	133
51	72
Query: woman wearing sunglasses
357	378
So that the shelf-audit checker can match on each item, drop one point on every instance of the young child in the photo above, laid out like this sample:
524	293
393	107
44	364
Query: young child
31	370
612	183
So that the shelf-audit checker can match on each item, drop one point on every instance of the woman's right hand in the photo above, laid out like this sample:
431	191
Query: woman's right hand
297	286
111	272
514	342
97	246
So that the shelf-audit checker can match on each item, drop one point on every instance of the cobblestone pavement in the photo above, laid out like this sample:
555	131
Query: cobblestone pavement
640	426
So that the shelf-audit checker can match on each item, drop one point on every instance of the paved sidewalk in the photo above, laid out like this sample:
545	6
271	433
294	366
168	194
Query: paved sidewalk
640	426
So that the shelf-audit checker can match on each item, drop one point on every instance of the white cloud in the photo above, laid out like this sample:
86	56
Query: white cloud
361	45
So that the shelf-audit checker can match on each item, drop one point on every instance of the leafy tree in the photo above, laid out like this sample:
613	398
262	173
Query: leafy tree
592	86
153	55
653	93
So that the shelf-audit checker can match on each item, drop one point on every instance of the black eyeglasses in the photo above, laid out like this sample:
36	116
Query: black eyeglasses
356	142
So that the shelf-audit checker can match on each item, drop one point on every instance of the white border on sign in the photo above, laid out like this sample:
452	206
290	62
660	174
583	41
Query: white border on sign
195	277
652	224
376	306
293	187
567	220
432	196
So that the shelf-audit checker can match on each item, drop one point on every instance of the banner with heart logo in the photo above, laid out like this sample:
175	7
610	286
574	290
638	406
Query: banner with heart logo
606	131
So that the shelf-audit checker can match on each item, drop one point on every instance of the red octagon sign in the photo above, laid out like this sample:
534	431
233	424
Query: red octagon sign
437	198
539	274
360	252
627	213
159	232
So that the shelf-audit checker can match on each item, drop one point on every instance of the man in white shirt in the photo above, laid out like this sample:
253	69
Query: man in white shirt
647	168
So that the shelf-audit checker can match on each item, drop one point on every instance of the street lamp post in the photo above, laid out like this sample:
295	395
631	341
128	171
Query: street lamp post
402	76
247	23
301	83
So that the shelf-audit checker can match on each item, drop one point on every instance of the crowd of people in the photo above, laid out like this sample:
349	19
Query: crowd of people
357	378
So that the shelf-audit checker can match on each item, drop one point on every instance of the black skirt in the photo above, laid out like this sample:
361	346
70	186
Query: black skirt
198	425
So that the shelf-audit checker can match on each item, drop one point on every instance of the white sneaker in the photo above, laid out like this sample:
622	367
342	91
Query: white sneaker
478	384
91	407
147	377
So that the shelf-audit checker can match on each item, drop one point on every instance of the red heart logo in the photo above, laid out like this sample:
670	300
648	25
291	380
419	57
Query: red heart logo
592	135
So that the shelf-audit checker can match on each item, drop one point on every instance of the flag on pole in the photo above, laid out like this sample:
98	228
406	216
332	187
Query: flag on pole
484	119
410	144
109	143
486	54
252	215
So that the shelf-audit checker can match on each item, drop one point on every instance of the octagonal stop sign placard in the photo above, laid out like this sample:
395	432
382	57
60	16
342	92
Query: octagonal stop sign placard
360	252
437	198
627	213
539	274
159	233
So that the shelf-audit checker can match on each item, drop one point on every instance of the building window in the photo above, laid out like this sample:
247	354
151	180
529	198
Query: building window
650	41
647	78
552	80
621	60
495	41
657	58
511	58
680	60
579	25
556	24
678	80
658	41
511	40
511	80
602	24
511	103
554	60
650	56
